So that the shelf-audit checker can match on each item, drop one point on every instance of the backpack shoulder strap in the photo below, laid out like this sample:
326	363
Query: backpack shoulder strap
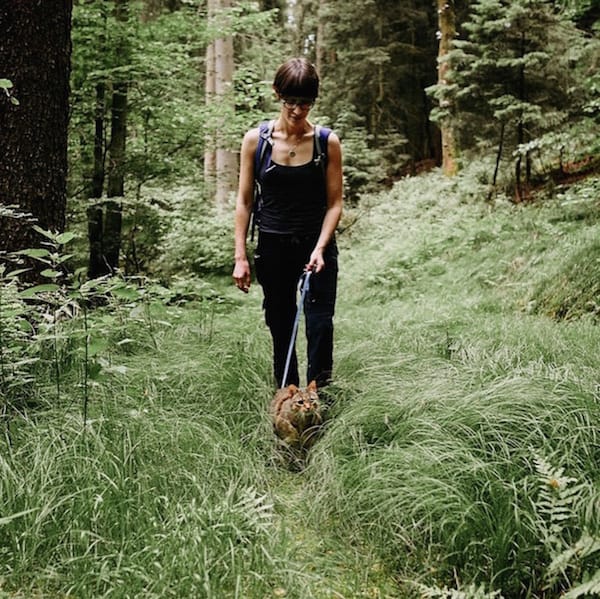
265	143
321	138
263	147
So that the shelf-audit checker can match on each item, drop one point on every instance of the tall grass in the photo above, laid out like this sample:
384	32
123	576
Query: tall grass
170	489
456	391
459	458
152	501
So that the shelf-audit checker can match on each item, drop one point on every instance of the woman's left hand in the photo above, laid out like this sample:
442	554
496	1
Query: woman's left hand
316	262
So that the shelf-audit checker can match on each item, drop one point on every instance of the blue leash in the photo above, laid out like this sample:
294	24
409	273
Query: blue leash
306	276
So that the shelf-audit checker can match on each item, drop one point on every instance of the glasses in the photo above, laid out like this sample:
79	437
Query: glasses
292	102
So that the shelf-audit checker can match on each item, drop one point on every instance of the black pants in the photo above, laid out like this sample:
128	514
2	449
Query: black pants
279	263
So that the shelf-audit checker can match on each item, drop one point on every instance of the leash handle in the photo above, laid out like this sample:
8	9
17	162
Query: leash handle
303	291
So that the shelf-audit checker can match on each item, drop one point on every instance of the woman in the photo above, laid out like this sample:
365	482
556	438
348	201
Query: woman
300	209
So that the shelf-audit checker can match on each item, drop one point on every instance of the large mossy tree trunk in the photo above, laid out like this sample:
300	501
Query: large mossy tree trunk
35	52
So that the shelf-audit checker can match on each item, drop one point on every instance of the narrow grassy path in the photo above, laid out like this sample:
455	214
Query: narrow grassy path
226	355
335	565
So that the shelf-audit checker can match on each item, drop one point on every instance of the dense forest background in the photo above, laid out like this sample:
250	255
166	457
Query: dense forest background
161	92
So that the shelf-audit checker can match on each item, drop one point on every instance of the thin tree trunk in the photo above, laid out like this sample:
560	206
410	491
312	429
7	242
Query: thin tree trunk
447	28
226	159
498	159
35	50
116	175
99	145
96	264
320	42
518	182
210	155
520	127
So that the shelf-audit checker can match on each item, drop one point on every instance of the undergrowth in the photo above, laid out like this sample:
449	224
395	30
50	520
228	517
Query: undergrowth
459	457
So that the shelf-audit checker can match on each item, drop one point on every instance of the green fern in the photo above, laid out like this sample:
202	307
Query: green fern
470	592
588	588
557	508
555	505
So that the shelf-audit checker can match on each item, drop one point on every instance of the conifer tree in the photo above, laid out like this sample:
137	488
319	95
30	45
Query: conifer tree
376	58
511	77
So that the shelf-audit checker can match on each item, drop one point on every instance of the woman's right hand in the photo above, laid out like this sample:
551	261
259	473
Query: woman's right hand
241	275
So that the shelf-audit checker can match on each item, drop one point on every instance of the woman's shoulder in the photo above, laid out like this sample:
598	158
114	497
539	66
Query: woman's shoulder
250	141
331	136
326	132
251	138
252	134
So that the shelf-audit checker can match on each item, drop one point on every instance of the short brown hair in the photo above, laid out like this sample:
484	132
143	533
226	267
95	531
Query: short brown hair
297	77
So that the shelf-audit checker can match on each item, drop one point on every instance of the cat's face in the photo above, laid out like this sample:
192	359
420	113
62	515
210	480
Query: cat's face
304	401
296	414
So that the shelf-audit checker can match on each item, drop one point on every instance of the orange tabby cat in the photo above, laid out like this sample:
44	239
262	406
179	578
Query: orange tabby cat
296	415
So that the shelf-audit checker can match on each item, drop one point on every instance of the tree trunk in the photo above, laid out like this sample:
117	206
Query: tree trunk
225	160
497	165
35	51
116	177
210	155
96	264
320	42
520	127
447	32
115	187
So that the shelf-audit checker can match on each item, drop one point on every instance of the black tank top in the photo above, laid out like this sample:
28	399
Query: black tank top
294	198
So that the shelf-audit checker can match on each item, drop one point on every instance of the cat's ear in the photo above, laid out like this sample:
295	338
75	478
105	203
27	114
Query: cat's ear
312	386
292	389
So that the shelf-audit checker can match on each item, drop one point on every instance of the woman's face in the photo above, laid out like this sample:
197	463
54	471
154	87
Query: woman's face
295	108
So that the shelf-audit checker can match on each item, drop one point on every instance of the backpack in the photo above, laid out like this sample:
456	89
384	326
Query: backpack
263	153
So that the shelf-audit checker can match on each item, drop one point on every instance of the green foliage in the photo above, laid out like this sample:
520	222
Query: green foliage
582	11
97	506
519	73
573	291
363	168
47	333
572	288
437	467
199	240
444	397
558	506
29	317
16	358
165	103
168	115
471	592
377	58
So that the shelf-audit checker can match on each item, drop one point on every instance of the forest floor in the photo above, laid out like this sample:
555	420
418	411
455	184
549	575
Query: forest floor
448	374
